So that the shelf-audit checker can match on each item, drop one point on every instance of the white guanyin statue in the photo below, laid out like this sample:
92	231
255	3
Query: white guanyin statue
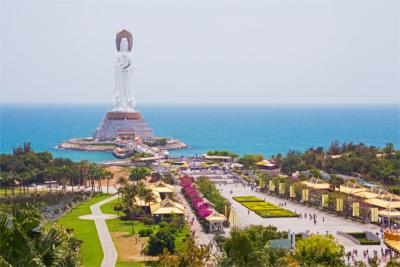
123	99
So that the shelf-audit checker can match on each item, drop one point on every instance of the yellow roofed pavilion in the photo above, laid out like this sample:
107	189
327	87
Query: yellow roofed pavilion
167	206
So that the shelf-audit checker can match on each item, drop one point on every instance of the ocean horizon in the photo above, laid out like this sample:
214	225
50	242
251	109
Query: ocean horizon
242	128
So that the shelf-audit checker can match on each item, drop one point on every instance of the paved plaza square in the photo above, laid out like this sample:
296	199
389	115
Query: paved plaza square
325	223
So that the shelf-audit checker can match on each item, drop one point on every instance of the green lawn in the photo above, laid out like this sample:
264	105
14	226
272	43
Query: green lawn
108	208
263	208
85	230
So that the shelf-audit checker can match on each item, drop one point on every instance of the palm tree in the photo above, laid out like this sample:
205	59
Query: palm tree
102	175
147	195
130	194
108	175
33	176
49	173
92	173
65	174
74	173
4	181
138	174
12	176
25	243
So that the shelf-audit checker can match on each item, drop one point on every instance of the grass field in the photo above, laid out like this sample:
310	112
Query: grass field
108	208
263	208
91	252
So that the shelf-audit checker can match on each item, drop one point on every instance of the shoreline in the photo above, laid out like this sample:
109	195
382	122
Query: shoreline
90	145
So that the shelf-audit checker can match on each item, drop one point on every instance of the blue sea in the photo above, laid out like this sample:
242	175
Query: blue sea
243	129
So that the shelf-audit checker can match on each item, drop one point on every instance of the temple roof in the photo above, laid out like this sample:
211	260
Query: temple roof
216	217
142	203
167	206
316	183
388	213
162	187
351	188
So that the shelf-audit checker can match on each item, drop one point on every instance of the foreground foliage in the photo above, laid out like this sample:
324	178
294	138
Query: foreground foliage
191	255
250	247
23	241
246	247
319	250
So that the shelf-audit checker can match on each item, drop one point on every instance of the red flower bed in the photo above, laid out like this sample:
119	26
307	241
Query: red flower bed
202	208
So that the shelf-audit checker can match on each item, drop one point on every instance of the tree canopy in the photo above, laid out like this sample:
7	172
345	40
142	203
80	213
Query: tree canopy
319	250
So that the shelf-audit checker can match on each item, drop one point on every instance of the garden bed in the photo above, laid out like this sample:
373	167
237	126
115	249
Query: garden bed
247	199
362	238
263	208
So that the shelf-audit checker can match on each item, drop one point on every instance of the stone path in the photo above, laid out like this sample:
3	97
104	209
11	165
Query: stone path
110	253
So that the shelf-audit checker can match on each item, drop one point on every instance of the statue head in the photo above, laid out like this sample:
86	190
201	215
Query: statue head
124	41
124	45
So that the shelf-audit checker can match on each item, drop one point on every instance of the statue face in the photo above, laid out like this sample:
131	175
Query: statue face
124	45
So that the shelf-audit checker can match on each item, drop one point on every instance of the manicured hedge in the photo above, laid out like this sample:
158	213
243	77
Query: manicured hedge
276	213
364	241
263	208
362	238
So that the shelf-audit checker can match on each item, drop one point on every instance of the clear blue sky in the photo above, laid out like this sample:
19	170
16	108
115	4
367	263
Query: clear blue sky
203	51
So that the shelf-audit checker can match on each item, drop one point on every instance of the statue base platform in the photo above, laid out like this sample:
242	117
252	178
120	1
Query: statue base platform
115	124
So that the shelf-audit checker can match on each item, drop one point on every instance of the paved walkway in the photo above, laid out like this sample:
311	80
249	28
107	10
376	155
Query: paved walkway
110	253
326	222
200	237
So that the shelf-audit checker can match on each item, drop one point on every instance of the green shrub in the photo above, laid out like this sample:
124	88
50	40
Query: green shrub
362	238
145	232
276	213
358	235
157	242
148	221
224	153
118	207
163	224
364	241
